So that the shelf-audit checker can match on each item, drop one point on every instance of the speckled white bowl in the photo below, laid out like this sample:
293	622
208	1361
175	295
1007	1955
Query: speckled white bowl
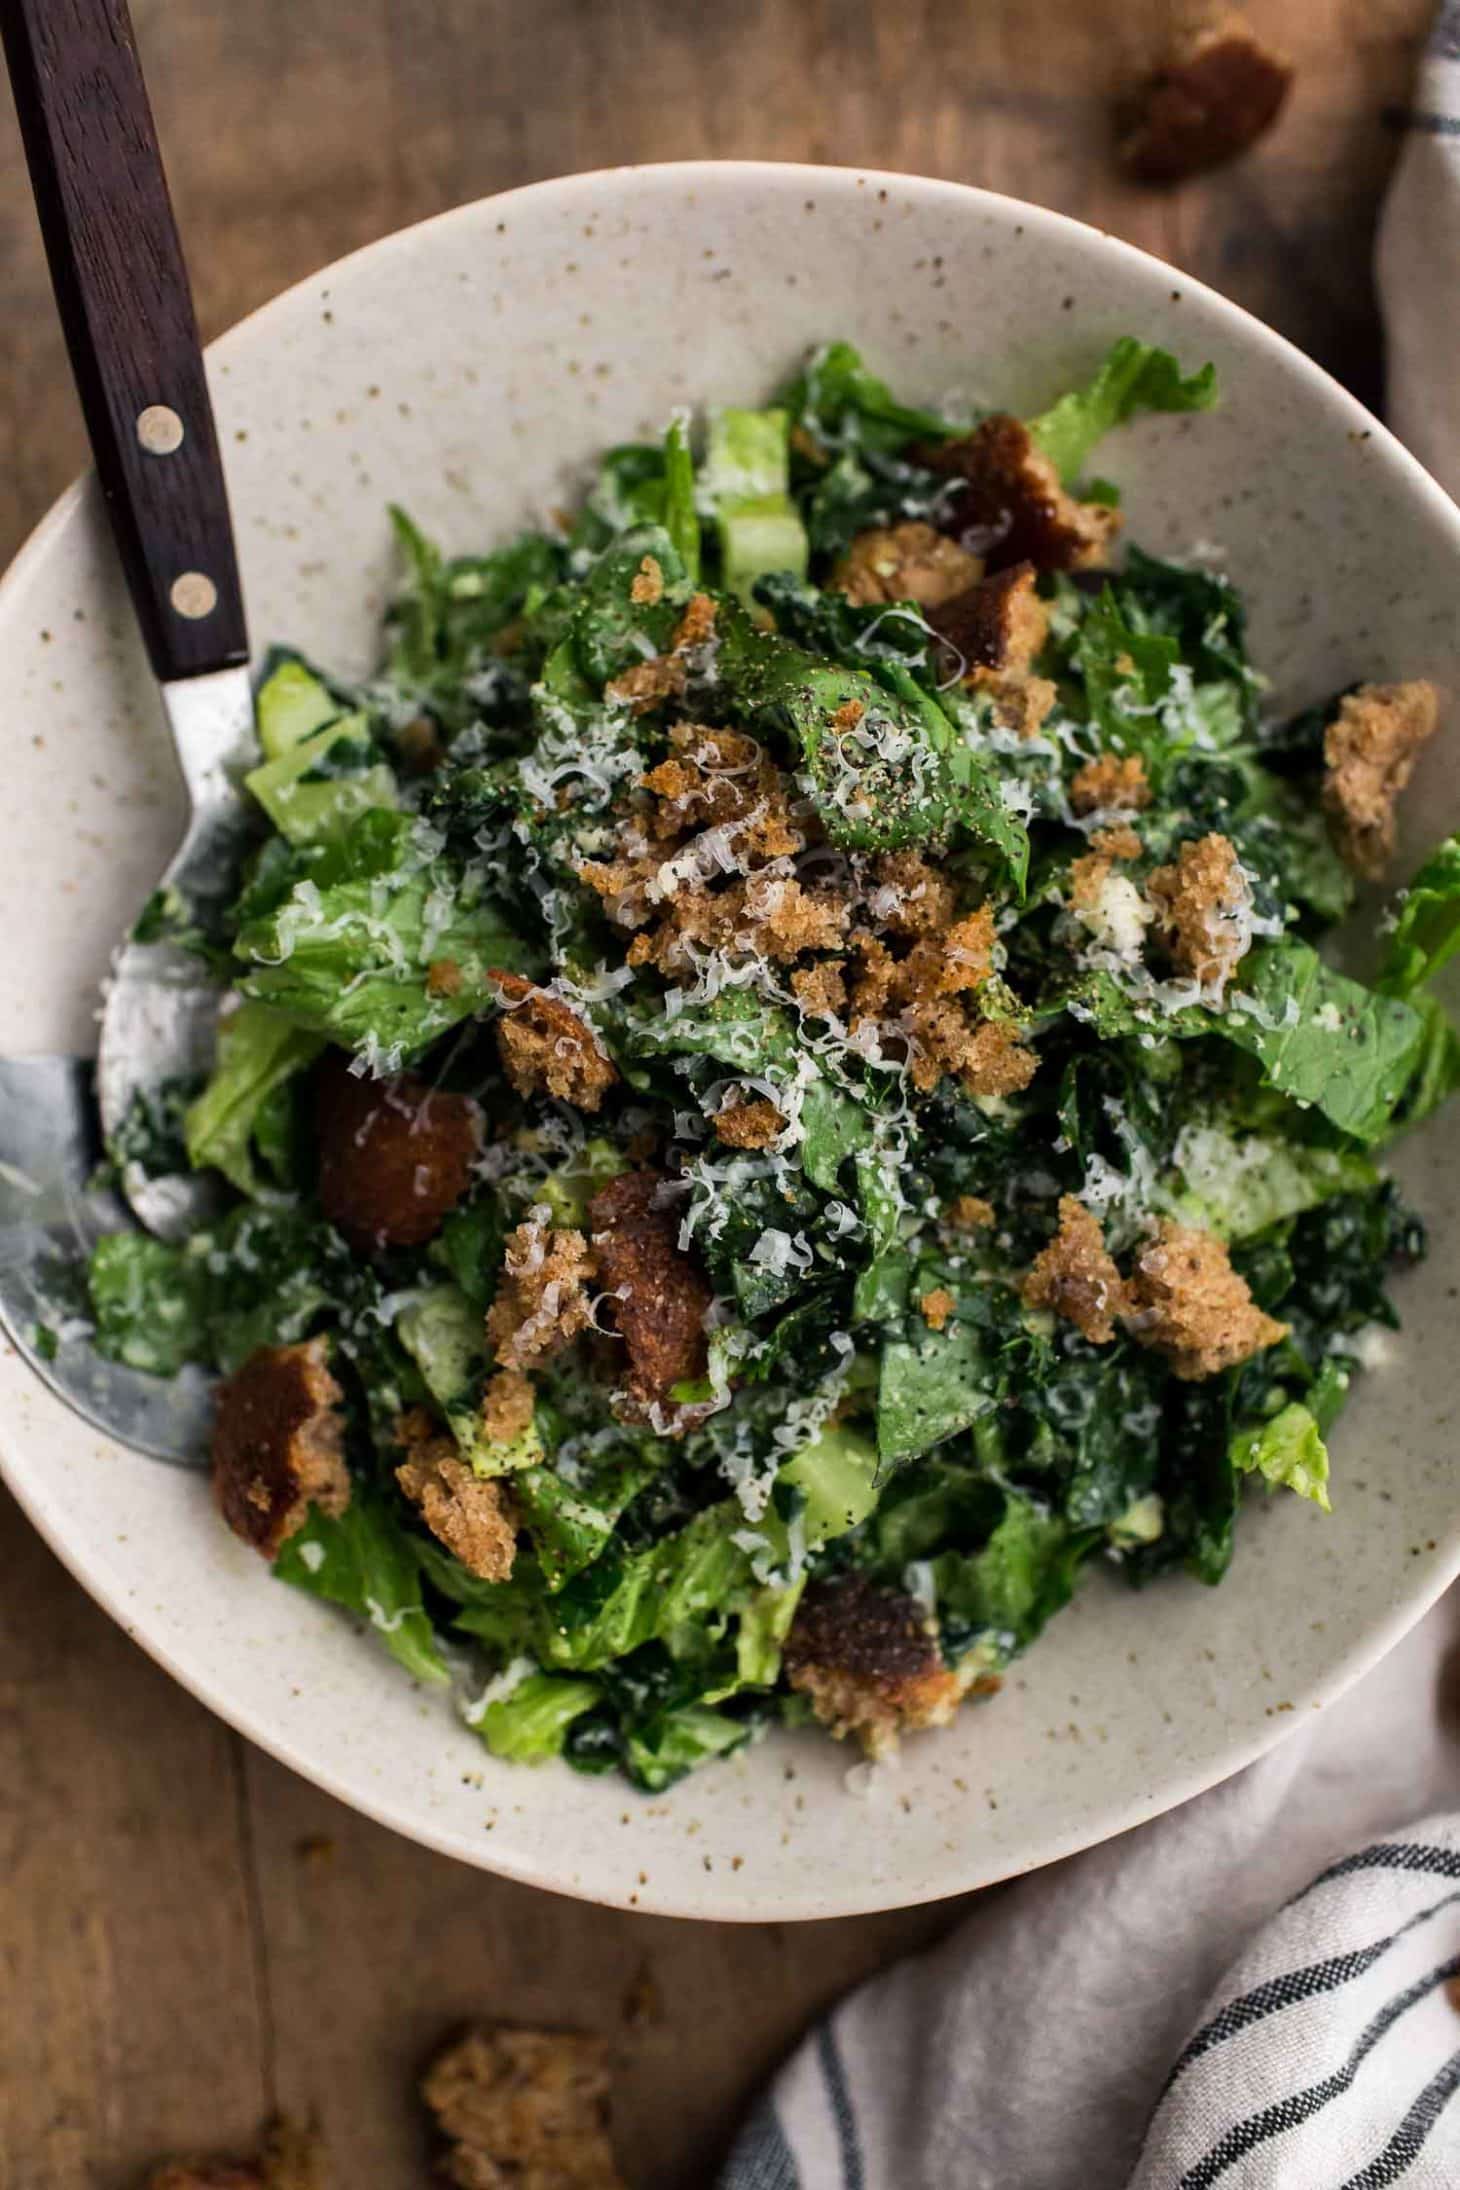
469	368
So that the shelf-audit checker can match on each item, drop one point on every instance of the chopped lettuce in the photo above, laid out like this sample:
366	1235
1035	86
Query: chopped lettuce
1134	377
258	1053
1289	1450
362	1559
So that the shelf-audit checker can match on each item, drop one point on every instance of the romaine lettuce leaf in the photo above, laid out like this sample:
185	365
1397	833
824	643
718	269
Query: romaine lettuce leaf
1426	932
363	1559
1287	1449
531	1723
1133	377
258	1051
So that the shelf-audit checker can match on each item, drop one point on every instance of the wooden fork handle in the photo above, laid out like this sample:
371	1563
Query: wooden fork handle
127	310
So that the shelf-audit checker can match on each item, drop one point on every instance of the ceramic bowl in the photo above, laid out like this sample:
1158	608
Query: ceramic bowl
471	368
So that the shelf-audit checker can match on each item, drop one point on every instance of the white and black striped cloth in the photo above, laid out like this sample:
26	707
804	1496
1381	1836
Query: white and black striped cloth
1261	1990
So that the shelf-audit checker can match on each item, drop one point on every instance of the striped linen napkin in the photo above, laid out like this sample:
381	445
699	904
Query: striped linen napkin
1253	1991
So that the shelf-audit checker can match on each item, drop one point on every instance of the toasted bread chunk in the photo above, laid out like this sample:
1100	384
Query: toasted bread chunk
659	1295
470	1515
1012	507
1075	1275
546	1048
869	1660
1000	624
395	1156
1186	1300
278	1439
1203	907
523	2110
907	562
1369	752
542	1296
1112	783
1215	93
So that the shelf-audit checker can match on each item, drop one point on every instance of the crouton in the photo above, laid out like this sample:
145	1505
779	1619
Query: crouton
647	589
748	1124
507	1405
1011	507
1119	842
278	1444
696	627
395	1156
868	1659
643	686
1185	1300
1112	783
1215	93
821	989
969	1213
936	1307
1018	702
1203	911
1076	1277
292	2158
1369	753
998	624
469	1514
542	1300
420	746
659	1296
523	2107
910	898
546	1048
907	562
998	1060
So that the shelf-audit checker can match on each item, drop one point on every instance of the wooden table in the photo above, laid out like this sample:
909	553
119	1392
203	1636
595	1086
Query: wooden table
190	1936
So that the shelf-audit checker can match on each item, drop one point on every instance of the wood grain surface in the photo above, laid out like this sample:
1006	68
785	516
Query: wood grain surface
190	1936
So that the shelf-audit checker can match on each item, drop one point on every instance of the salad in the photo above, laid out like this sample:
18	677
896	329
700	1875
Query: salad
777	1097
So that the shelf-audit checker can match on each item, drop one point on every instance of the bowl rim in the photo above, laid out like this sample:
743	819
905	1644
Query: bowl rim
1132	1808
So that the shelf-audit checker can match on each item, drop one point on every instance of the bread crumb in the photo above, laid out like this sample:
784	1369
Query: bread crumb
647	590
1111	783
526	2108
546	1048
1186	1301
542	1295
1075	1276
748	1124
467	1513
906	562
969	1213
1117	842
507	1405
1369	753
1203	908
936	1307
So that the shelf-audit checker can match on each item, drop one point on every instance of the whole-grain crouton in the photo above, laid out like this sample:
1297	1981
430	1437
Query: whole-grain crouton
907	562
1215	93
969	1213
748	1123
1116	842
542	1300
821	989
696	627
909	897
647	589
472	1516
998	624
1018	702
278	1444
1369	753
523	2110
658	1295
1203	909
998	1060
546	1048
507	1405
936	1307
1011	507
395	1156
868	1659
1185	1300
1112	783
292	2158
643	686
1076	1277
